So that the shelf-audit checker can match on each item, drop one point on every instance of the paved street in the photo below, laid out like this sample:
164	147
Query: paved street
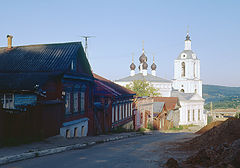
141	152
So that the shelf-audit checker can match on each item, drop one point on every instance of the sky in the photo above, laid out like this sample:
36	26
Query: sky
120	26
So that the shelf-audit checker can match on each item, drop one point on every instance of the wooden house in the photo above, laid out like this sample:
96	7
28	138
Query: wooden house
112	106
166	112
45	90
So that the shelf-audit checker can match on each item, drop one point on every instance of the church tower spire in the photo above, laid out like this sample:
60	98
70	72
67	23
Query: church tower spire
132	66
153	67
188	42
143	62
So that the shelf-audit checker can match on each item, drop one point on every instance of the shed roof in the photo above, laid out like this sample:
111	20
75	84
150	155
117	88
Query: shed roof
170	102
111	87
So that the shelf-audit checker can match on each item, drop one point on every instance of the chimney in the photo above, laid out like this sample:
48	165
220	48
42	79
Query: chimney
9	41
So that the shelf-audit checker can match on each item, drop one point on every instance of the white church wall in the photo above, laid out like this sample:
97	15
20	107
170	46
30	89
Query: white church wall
189	109
188	86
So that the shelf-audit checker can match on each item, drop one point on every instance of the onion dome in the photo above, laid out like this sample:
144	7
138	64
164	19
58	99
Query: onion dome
145	65
143	58
153	66
132	66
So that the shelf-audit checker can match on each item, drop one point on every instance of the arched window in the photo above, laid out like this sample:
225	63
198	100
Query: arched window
83	131
182	90
183	69
68	133
194	70
76	132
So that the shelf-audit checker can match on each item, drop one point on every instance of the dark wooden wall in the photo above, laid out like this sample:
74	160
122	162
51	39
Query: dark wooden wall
40	121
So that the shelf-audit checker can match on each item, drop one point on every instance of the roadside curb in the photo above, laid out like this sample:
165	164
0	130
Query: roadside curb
30	155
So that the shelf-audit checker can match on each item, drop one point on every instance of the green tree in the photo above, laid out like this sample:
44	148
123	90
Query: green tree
143	88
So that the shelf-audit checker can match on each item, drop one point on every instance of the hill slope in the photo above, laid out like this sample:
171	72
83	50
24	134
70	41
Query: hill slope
221	96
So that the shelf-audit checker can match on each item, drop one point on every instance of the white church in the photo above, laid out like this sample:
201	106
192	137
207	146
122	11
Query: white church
186	85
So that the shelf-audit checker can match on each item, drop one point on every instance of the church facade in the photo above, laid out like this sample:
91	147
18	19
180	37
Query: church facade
164	86
186	85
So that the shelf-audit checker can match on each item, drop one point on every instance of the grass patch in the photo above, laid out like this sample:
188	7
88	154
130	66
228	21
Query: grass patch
121	129
179	128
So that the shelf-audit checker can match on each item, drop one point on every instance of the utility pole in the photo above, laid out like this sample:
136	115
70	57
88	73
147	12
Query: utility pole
86	44
211	108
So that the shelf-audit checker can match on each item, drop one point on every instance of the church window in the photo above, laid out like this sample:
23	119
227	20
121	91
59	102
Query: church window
195	90
188	115
183	69
198	114
194	70
193	115
182	90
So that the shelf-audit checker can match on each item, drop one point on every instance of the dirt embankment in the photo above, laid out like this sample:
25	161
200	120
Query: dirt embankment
209	126
217	147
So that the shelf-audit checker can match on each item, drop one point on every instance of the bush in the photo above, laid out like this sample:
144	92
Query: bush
150	126
141	129
237	115
209	119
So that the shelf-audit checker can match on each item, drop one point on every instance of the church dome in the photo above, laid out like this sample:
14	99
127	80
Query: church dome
143	58
145	65
132	66
153	66
187	54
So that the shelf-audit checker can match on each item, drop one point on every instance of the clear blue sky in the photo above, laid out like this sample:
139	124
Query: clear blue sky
120	26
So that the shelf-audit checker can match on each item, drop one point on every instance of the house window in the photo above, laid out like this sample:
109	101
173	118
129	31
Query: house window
125	110
193	115
75	102
131	110
67	103
73	66
198	114
68	135
82	99
82	102
183	69
120	112
128	109
82	131
188	115
112	114
76	132
8	101
116	112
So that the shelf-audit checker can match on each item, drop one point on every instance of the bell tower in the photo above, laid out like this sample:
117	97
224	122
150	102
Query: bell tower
187	70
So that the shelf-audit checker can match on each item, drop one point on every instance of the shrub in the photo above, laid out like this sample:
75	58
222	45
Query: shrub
237	115
209	119
141	129
150	126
